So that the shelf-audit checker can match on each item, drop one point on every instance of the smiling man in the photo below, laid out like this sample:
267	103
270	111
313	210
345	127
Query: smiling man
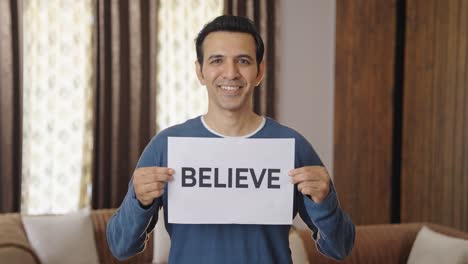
230	64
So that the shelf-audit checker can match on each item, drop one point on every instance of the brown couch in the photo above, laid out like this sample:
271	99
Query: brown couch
381	244
386	243
15	248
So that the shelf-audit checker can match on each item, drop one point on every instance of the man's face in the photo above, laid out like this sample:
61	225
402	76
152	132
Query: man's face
229	70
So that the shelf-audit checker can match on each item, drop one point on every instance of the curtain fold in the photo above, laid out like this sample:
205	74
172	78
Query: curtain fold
125	110
264	13
10	105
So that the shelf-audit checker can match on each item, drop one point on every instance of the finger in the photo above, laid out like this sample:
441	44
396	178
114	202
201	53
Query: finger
309	176
146	172
309	184
159	178
153	195
151	187
309	173
305	169
309	191
155	170
152	177
316	194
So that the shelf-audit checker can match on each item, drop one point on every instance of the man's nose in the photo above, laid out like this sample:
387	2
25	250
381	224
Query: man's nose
231	70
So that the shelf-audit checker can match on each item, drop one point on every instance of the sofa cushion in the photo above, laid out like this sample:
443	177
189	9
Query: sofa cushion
14	245
162	241
298	252
432	247
62	238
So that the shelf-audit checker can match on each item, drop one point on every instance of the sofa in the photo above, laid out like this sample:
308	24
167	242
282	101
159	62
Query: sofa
386	243
15	247
382	244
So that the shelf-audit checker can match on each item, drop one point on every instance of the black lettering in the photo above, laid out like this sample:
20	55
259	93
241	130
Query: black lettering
239	178
271	178
186	177
216	183
230	177
204	177
257	182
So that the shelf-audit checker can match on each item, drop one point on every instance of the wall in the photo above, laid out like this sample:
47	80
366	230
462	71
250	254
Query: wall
391	120
401	115
306	72
434	171
365	90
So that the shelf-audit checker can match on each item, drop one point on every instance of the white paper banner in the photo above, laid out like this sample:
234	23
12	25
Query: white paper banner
230	181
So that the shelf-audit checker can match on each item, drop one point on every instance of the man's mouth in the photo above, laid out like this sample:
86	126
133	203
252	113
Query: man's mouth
229	88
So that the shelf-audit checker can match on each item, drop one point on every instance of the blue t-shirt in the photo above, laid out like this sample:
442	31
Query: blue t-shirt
129	227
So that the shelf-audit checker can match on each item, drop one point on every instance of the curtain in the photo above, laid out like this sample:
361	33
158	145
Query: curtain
264	14
125	95
10	105
58	87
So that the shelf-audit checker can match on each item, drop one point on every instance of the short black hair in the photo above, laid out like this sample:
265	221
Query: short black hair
232	24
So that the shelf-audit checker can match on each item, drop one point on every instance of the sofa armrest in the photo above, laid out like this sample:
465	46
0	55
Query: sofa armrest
386	243
14	244
13	254
449	231
100	218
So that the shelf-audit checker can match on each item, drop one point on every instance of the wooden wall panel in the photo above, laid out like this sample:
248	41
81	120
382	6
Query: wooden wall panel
364	86
434	183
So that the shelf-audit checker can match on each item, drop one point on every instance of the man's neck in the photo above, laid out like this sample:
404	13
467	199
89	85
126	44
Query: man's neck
233	124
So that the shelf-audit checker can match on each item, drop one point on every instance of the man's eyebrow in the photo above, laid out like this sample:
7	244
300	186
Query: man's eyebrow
241	56
215	56
244	56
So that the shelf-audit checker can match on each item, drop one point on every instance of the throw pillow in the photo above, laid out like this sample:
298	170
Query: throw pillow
59	239
432	247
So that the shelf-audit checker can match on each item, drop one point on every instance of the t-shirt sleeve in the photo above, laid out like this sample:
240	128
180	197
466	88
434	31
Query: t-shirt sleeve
332	228
128	228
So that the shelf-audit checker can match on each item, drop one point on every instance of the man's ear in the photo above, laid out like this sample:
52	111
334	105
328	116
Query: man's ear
261	73
198	69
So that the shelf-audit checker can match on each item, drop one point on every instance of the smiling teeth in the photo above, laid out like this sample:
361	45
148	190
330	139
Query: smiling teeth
230	88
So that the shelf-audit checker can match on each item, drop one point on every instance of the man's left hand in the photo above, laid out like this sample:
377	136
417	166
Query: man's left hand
313	181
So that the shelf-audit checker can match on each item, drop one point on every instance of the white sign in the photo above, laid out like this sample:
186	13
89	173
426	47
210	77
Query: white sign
230	181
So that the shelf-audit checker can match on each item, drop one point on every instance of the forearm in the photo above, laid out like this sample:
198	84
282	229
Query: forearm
336	231
127	229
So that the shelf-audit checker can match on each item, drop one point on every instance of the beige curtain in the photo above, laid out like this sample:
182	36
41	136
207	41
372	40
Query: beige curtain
10	105
264	13
125	96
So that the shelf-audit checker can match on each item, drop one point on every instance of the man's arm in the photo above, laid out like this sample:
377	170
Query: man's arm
319	208
128	228
334	232
137	215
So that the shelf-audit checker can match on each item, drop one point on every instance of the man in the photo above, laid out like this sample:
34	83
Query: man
230	64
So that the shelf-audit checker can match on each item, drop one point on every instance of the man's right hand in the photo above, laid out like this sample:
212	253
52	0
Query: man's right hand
149	182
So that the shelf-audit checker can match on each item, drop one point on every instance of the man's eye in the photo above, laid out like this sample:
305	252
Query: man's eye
244	61
216	61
